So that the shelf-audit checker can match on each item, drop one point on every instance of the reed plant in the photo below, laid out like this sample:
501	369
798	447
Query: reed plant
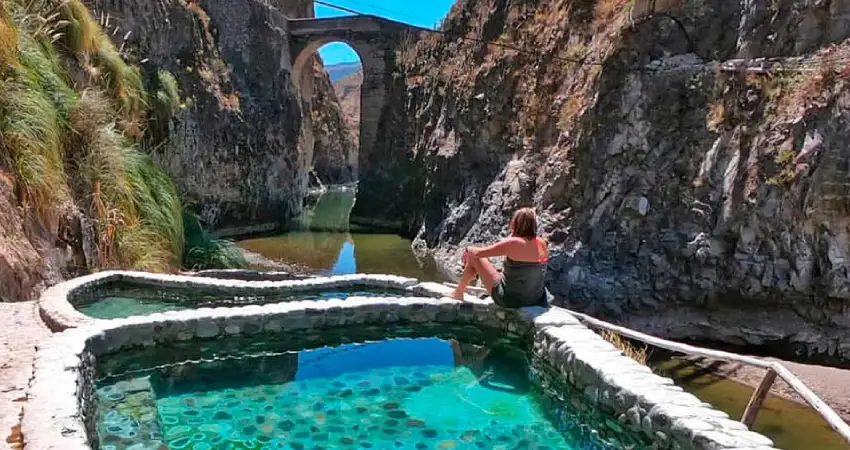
640	355
78	143
204	251
31	128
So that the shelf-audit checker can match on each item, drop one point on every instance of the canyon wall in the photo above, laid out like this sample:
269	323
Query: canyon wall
348	93
680	198
237	149
335	144
243	145
239	144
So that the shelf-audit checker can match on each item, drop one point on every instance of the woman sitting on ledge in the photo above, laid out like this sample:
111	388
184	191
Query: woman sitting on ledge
521	282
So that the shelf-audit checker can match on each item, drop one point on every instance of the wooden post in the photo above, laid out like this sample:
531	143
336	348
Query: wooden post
757	400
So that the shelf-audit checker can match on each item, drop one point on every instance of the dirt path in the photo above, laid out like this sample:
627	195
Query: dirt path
20	330
830	384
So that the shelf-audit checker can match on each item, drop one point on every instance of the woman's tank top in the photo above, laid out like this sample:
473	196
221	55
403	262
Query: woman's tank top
524	281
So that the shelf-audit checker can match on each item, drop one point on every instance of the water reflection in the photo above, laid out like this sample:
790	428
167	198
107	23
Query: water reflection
346	262
329	211
324	242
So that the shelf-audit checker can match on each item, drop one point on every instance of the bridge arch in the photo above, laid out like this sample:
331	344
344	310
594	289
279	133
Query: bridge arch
374	43
382	161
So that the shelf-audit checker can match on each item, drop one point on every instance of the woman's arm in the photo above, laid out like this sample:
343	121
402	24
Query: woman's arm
498	249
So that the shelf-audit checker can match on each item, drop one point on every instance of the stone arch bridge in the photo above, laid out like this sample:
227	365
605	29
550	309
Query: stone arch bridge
375	40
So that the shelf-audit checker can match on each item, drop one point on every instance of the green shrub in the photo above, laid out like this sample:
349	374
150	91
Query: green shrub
167	93
204	251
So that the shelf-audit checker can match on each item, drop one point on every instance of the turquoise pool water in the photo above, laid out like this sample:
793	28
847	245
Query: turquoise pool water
124	299
400	393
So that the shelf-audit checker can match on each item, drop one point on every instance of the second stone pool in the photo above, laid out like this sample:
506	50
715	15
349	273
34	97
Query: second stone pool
372	387
122	298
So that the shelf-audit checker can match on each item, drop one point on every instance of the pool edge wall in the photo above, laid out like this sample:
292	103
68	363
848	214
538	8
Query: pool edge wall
60	410
57	310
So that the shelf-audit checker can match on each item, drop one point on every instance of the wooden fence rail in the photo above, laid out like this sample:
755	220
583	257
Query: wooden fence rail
773	369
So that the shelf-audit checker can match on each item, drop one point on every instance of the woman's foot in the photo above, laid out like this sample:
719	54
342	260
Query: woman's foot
457	294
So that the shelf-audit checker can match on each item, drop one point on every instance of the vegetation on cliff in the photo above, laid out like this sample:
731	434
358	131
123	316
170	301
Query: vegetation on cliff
73	116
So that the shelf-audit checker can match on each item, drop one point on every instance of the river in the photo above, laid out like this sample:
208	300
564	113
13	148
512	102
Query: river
322	241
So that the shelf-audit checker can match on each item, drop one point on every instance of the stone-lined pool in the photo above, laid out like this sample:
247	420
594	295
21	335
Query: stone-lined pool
433	388
119	299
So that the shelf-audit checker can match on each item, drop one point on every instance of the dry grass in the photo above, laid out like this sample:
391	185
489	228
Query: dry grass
135	205
8	39
31	131
85	38
640	355
82	32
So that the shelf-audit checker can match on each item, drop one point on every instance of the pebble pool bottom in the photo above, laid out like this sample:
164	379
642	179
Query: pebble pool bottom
422	393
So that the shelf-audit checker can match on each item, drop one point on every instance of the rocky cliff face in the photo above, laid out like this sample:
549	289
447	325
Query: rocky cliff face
239	151
683	199
237	147
348	92
335	147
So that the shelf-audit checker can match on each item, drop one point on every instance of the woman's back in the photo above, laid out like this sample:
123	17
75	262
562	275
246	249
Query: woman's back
524	273
532	250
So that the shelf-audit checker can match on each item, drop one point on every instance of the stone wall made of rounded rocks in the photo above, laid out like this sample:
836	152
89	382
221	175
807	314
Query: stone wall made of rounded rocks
61	405
56	305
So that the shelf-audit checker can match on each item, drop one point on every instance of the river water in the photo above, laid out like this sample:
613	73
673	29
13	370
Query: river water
322	241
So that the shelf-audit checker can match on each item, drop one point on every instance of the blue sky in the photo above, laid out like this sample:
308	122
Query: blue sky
423	13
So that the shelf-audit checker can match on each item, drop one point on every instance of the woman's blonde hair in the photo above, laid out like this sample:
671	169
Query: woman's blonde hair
524	223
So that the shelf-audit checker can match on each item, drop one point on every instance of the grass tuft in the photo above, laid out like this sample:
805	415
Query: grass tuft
32	129
640	355
168	93
82	32
136	205
204	251
125	84
156	202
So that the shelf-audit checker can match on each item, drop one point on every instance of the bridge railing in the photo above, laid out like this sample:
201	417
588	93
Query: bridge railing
772	370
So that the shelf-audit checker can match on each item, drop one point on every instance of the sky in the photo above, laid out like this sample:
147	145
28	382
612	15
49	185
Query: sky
423	13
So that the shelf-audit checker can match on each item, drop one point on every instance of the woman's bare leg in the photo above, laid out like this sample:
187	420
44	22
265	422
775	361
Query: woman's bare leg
467	277
481	267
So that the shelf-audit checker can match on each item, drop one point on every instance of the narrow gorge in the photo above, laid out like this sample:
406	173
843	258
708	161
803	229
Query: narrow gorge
685	156
217	177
